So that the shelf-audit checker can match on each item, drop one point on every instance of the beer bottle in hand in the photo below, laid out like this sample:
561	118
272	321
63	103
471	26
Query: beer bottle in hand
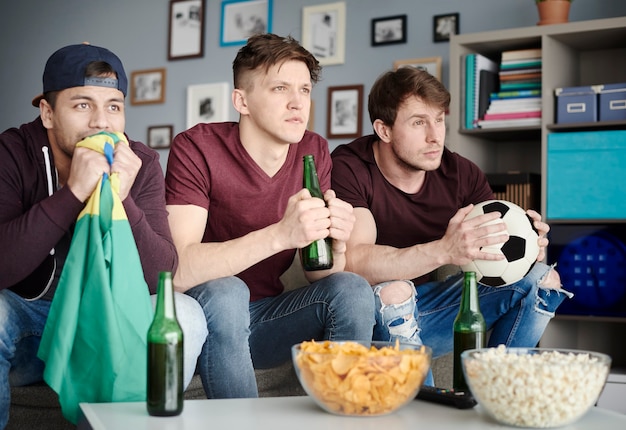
469	328
318	255
165	354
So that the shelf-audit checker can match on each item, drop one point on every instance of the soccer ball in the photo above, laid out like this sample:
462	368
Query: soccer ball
521	250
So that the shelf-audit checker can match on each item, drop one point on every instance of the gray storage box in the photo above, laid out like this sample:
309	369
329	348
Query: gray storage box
612	102
577	104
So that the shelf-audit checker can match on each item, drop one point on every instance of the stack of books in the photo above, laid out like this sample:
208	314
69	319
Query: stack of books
481	79
518	101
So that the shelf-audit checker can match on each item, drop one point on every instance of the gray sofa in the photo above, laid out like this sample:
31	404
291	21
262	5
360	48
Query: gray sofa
36	406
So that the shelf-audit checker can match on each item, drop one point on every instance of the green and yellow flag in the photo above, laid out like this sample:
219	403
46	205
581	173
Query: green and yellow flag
94	342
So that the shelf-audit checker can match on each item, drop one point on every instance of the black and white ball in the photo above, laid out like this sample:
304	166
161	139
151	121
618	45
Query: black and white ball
521	250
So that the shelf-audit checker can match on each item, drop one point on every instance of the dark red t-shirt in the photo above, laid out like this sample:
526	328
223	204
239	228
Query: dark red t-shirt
208	167
402	219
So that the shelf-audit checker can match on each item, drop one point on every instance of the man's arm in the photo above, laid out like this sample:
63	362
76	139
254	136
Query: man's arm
306	219
460	244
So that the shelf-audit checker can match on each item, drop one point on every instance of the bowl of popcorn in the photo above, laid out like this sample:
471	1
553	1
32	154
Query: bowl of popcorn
535	387
361	378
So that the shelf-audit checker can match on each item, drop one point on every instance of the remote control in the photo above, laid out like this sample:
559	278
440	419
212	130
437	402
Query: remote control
449	397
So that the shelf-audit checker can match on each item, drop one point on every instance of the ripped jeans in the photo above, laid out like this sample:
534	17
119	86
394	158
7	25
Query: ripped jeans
516	314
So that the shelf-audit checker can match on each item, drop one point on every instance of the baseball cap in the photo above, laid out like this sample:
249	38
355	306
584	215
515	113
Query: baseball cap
66	69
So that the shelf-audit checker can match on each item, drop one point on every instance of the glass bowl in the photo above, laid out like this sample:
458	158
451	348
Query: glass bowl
535	387
361	378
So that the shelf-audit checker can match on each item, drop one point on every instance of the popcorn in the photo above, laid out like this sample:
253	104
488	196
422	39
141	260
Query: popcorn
541	388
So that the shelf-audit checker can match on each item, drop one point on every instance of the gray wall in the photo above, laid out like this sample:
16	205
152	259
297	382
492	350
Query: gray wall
137	30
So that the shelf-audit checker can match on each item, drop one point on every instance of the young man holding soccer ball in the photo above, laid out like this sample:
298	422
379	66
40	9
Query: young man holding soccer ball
411	196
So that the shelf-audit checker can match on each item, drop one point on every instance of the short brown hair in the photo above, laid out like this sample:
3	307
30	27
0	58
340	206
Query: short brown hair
393	88
266	50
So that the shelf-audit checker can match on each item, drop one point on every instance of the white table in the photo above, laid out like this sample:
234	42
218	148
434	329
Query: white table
301	413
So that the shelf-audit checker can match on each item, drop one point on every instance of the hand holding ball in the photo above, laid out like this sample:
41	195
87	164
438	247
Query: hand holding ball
521	250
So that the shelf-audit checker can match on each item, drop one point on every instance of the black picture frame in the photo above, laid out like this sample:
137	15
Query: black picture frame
160	136
389	30
445	26
344	112
186	29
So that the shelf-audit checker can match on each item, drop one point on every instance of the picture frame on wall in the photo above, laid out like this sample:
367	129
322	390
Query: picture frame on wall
311	124
445	26
147	86
207	103
389	30
345	111
160	136
324	32
186	29
431	64
244	18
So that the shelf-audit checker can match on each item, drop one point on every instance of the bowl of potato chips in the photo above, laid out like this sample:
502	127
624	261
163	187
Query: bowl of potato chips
361	378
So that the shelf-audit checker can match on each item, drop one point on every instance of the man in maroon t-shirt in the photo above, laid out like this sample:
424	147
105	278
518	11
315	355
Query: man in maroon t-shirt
238	212
411	196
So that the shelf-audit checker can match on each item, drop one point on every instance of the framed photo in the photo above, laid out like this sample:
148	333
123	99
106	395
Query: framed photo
431	64
324	32
445	26
160	136
345	111
389	30
207	103
147	87
186	32
244	18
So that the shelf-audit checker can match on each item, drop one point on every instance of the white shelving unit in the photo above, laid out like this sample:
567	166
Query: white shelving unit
573	54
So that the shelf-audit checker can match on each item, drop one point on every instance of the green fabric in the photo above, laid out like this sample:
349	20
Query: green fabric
94	342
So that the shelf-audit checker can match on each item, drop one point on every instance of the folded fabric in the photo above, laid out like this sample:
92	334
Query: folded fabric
94	342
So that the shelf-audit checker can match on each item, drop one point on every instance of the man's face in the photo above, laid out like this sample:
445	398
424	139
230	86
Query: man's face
80	112
418	134
275	105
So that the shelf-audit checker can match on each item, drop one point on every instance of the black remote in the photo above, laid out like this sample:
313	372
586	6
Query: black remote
449	397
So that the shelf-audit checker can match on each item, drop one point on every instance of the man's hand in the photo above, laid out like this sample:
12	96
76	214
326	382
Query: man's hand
342	221
464	238
127	164
86	170
542	229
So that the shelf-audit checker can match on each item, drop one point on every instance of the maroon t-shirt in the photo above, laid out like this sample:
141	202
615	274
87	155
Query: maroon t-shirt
208	167
402	219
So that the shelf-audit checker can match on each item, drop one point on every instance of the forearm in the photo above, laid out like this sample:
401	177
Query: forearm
339	265
202	262
380	263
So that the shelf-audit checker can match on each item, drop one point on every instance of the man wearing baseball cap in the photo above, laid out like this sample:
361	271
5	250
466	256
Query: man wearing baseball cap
45	181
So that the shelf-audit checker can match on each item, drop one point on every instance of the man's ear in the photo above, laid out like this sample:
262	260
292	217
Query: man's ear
239	101
46	113
383	131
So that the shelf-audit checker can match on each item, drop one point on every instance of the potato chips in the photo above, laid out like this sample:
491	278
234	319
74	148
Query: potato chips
352	379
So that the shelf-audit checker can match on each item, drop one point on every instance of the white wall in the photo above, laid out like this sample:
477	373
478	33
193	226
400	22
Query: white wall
137	30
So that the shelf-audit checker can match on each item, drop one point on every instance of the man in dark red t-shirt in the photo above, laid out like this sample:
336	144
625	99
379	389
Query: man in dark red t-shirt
238	212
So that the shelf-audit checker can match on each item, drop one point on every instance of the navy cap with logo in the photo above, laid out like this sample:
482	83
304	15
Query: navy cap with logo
66	69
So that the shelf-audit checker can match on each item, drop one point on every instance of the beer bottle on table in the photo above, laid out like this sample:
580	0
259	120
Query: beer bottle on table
469	328
165	354
319	254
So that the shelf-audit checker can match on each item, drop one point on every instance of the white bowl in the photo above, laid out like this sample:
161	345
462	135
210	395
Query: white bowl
535	387
361	378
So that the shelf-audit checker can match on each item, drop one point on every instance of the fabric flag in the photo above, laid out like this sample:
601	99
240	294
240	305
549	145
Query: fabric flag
94	343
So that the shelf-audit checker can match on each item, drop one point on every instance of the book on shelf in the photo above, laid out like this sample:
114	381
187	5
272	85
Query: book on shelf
518	71
505	123
489	83
513	115
520	64
519	54
520	76
495	108
515	94
520	85
474	64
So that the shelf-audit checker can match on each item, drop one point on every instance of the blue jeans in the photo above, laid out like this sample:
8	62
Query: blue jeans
517	314
245	335
21	326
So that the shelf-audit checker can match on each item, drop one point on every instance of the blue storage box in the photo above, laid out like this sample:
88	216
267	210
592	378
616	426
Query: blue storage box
612	102
577	104
585	175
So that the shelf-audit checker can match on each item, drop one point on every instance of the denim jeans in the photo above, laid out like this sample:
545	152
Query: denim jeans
245	335
21	326
517	314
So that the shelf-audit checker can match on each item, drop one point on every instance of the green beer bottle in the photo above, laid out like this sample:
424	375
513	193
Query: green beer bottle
165	354
469	328
317	255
